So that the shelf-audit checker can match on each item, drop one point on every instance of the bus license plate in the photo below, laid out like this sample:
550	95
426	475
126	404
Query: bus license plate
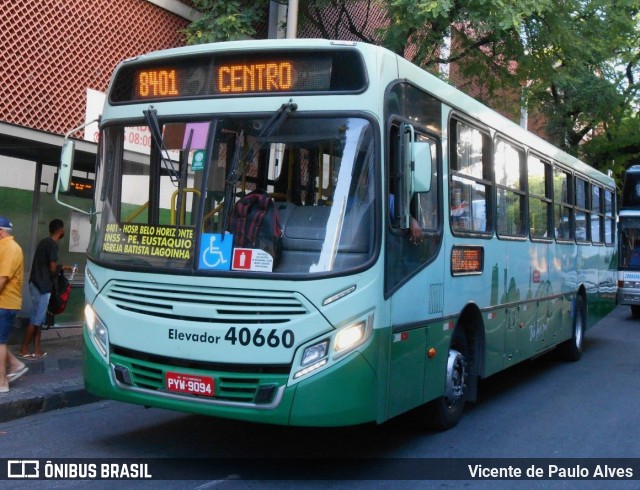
191	384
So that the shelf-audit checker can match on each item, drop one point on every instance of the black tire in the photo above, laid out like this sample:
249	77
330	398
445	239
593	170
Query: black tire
635	311
446	411
571	350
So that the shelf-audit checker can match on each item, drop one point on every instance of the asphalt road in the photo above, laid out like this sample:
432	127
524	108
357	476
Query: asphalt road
545	408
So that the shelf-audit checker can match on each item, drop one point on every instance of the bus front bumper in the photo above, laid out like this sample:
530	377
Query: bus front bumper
628	297
343	394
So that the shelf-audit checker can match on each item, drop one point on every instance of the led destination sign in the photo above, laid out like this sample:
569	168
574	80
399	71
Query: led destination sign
297	72
157	83
233	78
255	77
274	75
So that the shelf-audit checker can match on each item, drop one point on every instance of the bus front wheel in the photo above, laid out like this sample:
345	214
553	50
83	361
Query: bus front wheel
446	411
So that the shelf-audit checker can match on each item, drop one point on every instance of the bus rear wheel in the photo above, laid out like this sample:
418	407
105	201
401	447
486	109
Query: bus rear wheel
571	349
446	411
635	311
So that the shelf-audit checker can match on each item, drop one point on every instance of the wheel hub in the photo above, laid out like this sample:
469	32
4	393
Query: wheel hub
456	377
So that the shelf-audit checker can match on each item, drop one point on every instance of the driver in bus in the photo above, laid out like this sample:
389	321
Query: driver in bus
415	231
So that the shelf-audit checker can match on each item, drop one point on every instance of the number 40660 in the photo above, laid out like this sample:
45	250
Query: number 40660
259	338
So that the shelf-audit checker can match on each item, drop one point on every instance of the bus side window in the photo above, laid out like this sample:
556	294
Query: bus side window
540	197
406	255
582	212
510	189
470	184
609	217
596	225
563	205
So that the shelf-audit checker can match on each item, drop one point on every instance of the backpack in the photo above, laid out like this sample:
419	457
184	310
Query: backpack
255	224
59	297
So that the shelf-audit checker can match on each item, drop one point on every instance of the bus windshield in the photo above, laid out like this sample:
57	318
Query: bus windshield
169	193
629	229
631	188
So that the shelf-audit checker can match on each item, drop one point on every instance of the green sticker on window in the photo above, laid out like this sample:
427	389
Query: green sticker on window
199	157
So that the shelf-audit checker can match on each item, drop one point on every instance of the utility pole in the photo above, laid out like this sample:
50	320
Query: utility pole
292	19
278	13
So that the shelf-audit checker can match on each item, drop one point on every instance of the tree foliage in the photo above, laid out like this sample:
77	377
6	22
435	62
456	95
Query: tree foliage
226	20
583	65
575	62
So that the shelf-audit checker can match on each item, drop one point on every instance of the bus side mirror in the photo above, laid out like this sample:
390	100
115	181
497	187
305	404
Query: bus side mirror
64	174
422	167
414	172
403	176
66	166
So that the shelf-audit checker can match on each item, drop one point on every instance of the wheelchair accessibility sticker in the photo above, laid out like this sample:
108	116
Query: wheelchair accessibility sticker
215	253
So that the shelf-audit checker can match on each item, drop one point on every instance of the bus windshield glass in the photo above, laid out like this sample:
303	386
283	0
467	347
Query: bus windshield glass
629	229
237	195
631	188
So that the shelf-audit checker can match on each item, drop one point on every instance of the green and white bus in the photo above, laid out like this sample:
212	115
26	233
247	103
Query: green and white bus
422	241
629	242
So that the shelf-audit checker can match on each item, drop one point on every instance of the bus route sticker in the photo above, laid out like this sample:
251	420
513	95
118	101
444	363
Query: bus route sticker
215	252
251	259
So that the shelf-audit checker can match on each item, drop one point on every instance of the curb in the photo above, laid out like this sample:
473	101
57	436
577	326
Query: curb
53	333
66	397
53	382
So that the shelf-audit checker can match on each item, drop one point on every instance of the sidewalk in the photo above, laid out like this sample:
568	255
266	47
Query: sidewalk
52	382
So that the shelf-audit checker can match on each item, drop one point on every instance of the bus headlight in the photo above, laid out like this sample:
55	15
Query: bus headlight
313	357
314	353
321	354
97	332
349	338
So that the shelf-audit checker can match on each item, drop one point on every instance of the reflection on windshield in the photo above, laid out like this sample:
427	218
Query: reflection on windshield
300	203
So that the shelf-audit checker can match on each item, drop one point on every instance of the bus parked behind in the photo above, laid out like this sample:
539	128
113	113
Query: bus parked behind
629	242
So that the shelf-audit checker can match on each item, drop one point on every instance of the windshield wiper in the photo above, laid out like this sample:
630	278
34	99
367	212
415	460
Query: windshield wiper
151	117
238	163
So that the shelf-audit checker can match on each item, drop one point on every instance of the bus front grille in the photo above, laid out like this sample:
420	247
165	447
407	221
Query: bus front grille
206	304
239	384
